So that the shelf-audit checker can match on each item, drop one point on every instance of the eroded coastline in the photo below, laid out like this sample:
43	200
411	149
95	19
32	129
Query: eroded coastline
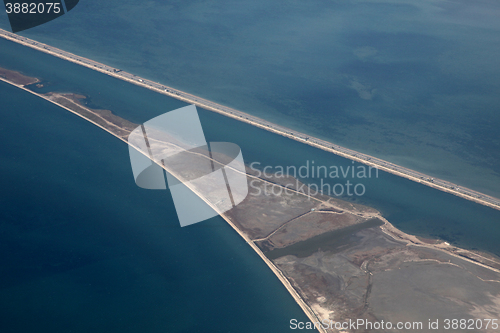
340	260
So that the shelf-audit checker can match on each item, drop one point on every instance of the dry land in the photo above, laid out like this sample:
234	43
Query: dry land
16	77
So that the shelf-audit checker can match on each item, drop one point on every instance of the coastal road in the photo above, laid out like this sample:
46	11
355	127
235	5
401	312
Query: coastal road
261	123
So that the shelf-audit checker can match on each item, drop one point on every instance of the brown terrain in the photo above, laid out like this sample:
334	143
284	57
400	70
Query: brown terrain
16	77
343	260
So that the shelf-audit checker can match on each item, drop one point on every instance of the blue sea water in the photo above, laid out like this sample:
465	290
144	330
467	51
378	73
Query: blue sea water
414	82
83	249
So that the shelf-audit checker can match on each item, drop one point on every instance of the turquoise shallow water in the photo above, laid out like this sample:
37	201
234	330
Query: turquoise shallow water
414	82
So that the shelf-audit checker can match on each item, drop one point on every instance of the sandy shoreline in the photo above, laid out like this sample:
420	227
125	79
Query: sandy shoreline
372	161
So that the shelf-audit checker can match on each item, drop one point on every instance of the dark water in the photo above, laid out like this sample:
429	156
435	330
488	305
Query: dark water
83	249
333	241
414	82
